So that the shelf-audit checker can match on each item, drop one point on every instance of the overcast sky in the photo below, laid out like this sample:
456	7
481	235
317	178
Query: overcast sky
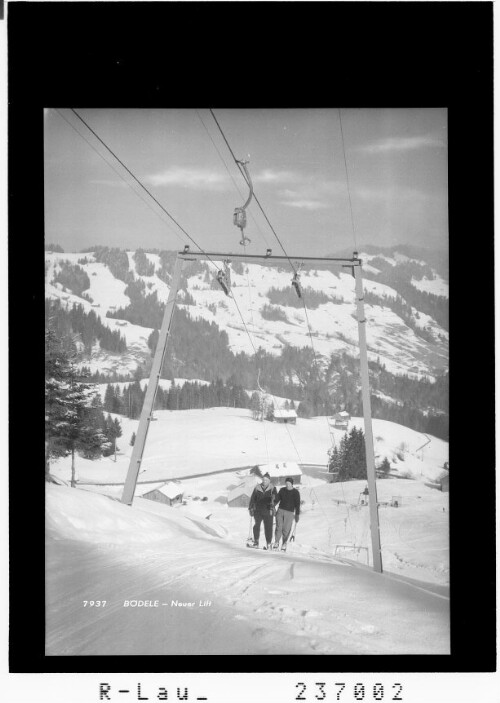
396	162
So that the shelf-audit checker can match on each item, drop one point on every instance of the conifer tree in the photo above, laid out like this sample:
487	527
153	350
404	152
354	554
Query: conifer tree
71	408
113	431
132	439
385	466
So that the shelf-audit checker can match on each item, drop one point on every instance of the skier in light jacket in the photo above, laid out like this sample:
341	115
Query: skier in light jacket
288	500
261	507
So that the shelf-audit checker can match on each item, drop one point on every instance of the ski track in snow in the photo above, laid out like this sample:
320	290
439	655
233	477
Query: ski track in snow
261	602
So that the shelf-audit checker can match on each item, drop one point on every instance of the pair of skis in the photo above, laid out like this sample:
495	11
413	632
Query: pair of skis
251	544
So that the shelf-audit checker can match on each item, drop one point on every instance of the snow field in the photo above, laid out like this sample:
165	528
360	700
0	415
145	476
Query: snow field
185	442
259	602
414	536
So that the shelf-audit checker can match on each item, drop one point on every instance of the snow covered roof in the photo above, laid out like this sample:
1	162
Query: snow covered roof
244	489
281	469
170	490
343	413
142	488
281	412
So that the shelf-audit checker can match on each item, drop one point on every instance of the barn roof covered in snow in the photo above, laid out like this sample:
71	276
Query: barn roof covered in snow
243	489
281	412
170	490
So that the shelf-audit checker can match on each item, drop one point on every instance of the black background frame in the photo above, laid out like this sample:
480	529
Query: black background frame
266	54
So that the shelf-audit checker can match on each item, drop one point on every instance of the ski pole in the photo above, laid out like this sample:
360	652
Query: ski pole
250	535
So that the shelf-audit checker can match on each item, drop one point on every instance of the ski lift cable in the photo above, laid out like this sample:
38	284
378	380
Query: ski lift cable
263	423
240	193
250	302
347	181
232	177
144	188
296	272
254	195
120	175
311	488
332	436
166	211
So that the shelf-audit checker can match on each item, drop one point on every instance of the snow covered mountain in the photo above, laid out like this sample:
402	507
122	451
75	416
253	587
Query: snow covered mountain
403	333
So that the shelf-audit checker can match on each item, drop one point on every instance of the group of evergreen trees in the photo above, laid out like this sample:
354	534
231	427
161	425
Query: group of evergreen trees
348	462
143	266
191	395
273	313
74	419
72	277
289	297
115	259
86	325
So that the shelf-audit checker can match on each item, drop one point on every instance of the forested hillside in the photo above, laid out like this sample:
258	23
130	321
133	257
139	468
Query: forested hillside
309	355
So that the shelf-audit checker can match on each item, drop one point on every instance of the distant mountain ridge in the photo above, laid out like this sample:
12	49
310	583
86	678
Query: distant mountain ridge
269	331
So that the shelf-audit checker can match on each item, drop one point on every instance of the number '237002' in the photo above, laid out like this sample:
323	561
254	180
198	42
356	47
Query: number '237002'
341	692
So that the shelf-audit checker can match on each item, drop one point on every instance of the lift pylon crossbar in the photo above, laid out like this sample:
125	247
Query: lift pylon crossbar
262	258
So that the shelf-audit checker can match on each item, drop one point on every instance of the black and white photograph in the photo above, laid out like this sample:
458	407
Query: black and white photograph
246	381
250	300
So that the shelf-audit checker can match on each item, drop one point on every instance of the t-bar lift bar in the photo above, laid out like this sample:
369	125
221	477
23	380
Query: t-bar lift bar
147	409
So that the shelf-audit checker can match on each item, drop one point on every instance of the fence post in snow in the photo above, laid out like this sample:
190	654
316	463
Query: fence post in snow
154	378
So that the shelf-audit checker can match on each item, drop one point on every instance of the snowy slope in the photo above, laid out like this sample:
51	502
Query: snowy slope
437	286
243	601
333	324
185	442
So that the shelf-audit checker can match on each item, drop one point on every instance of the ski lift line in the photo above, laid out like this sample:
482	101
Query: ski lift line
274	232
250	303
347	181
218	256
143	186
311	488
231	176
120	175
263	423
255	197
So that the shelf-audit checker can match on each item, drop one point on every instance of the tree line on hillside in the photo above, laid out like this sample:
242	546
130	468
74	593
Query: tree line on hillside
399	278
72	277
143	266
403	310
54	247
199	349
293	374
321	390
190	395
74	419
288	297
86	325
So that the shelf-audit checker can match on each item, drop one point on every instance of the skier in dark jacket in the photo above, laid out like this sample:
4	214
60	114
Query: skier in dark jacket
261	507
288	500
